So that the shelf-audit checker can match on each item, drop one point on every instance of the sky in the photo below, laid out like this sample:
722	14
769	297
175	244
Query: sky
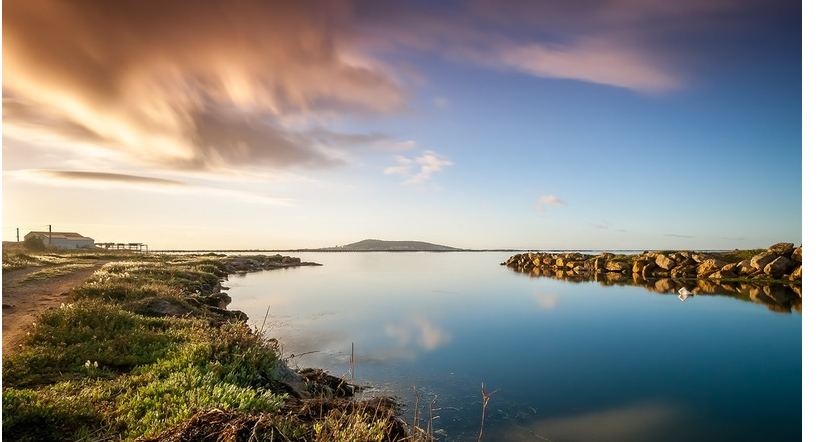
528	124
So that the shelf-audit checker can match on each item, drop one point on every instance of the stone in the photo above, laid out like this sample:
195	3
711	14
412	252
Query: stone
782	248
796	274
729	268
640	264
761	260
723	274
665	262
797	254
745	268
778	267
709	266
683	271
617	266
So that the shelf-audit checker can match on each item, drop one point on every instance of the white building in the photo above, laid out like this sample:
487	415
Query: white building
63	240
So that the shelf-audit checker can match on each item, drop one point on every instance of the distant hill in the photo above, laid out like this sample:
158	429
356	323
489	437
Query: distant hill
374	245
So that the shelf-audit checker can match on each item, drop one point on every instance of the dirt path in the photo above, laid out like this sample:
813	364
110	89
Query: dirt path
23	301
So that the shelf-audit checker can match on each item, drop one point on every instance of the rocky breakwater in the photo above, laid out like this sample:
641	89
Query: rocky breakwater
770	276
256	263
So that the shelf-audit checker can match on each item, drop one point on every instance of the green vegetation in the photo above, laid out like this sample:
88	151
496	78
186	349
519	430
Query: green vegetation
110	366
55	272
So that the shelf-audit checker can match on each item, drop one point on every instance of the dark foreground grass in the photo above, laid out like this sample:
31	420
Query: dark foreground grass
98	369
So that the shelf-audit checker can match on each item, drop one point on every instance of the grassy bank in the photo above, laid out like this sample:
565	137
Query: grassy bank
145	351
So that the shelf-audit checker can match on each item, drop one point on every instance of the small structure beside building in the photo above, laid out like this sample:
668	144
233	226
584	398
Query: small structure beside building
63	240
133	246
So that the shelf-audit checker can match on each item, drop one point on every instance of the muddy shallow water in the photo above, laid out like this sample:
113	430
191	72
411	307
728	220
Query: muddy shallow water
569	361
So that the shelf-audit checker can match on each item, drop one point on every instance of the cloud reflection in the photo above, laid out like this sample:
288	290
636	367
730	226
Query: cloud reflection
546	301
418	333
632	422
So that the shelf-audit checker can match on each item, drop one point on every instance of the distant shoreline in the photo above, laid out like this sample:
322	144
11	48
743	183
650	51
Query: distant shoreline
324	250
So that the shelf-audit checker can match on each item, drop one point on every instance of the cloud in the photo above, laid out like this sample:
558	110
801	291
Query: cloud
419	169
70	175
592	61
676	235
548	200
112	181
192	84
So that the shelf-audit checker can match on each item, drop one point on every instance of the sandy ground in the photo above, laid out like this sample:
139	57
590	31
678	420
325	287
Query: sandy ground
23	301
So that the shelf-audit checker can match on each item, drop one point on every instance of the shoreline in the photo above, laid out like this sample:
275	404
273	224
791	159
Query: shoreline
146	349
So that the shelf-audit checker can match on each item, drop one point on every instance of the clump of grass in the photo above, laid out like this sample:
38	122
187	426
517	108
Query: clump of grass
63	339
740	255
64	411
55	272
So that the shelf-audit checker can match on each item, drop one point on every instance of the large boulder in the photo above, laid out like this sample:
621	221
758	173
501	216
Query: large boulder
778	267
782	249
664	262
640	264
761	260
745	268
709	266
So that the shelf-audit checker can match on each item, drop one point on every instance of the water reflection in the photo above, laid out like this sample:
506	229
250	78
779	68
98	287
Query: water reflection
632	422
776	297
418	332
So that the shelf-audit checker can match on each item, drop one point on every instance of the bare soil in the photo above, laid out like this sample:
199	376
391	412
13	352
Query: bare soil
24	301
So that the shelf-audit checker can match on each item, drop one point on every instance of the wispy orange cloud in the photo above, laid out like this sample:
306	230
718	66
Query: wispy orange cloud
191	84
120	181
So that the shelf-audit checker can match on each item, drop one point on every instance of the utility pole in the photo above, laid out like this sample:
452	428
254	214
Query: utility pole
18	234
49	235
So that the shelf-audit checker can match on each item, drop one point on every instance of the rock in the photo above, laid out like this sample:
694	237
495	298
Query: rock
683	271
709	266
745	268
665	262
617	266
292	380
796	274
778	267
640	264
723	274
158	307
761	260
782	249
220	300
797	254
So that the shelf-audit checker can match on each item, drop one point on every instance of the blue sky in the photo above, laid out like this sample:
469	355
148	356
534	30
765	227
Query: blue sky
599	124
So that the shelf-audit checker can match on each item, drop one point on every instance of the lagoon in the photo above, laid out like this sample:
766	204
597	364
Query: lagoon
567	361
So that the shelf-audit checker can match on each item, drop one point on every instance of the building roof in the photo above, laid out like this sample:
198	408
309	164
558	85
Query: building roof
63	235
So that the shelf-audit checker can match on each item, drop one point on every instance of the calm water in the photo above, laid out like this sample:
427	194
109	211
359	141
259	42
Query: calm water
570	361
